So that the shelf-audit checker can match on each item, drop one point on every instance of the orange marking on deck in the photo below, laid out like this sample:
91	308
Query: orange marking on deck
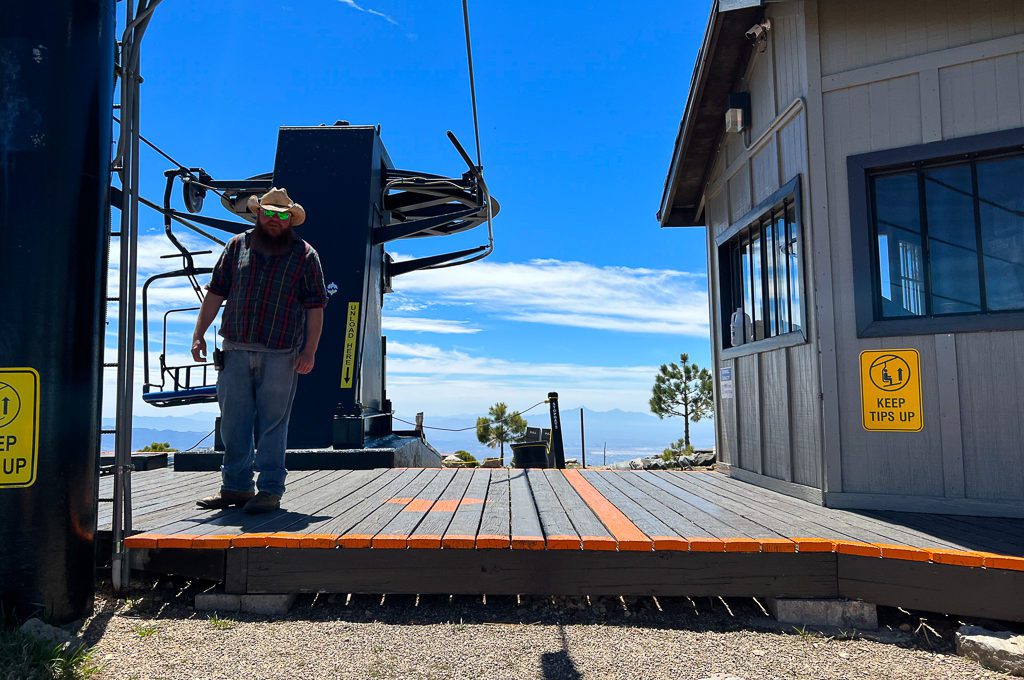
528	542
560	542
453	505
418	505
399	501
777	545
426	541
492	541
745	545
704	544
389	541
960	558
1003	562
904	552
627	534
319	541
599	543
858	548
814	545
672	543
176	541
459	541
355	540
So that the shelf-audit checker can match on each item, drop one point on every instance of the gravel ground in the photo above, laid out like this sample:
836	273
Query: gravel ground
155	633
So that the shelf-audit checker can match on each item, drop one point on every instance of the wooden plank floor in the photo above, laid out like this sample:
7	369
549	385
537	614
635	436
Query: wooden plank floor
508	524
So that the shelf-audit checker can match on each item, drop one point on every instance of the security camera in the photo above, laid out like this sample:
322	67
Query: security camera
759	32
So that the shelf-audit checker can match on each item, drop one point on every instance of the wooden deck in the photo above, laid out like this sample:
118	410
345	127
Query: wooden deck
572	532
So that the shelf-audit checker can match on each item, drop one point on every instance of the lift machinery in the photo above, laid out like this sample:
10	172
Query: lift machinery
357	202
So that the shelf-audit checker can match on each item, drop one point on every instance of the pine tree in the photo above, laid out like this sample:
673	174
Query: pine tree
683	390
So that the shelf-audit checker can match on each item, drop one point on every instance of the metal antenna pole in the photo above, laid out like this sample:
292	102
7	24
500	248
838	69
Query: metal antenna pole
583	440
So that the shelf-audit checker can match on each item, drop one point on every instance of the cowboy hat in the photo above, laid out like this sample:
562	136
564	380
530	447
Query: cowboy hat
277	199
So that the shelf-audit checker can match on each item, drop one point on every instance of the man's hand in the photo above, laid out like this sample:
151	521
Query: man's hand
199	349
304	362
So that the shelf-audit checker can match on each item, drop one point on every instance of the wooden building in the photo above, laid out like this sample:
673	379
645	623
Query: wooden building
859	167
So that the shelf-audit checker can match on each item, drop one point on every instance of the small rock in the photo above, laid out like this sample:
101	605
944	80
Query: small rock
905	627
51	635
758	652
844	655
996	651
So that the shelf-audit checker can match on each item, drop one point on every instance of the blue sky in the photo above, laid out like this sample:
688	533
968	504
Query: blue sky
579	106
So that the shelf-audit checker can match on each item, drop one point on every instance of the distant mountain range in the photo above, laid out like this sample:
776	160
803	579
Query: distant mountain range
626	434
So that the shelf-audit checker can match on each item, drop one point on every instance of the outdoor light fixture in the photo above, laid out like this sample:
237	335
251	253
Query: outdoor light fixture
737	113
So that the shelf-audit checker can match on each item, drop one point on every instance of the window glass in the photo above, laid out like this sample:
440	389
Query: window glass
769	277
900	250
756	280
781	272
793	246
1001	208
748	296
952	240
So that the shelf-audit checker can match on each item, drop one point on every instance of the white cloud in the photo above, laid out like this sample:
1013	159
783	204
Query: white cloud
447	382
576	294
353	5
422	325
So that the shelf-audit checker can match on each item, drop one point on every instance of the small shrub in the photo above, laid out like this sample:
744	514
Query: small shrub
466	456
157	447
221	623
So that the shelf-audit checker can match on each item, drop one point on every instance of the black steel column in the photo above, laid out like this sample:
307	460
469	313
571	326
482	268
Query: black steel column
56	79
556	452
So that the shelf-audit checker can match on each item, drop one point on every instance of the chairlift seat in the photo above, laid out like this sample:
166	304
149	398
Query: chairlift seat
192	395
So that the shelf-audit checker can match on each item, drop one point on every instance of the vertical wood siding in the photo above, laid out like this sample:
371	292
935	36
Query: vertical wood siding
773	424
977	427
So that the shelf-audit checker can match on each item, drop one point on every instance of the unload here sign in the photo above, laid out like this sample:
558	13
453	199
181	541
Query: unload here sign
890	387
19	427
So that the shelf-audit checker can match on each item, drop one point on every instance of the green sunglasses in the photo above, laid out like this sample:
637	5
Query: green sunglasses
279	215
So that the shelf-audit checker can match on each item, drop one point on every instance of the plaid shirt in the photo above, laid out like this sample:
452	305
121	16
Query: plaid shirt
267	295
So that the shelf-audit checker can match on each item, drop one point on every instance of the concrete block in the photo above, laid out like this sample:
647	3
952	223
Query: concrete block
218	602
1002	651
265	605
835	613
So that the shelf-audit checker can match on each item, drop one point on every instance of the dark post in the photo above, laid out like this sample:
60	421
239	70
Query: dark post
583	440
556	453
57	70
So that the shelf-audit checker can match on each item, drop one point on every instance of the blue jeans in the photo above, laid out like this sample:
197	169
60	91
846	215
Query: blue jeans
255	391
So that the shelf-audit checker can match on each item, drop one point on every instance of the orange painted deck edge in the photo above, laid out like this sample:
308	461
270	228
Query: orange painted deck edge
1003	562
355	540
559	542
175	541
904	552
625	532
458	542
858	548
142	541
747	545
493	541
213	541
253	540
702	544
425	541
319	541
389	541
959	558
527	542
777	545
601	543
671	543
804	544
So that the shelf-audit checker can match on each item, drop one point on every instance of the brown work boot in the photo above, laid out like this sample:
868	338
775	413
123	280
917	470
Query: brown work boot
225	499
263	502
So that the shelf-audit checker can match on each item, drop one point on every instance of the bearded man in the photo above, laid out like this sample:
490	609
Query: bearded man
274	288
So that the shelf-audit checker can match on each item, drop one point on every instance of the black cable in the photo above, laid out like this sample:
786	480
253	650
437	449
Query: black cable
199	442
466	429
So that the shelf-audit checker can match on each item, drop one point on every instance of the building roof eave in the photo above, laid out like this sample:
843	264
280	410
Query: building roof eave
722	59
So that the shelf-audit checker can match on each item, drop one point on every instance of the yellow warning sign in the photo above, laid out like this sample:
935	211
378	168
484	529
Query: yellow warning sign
19	426
348	357
890	388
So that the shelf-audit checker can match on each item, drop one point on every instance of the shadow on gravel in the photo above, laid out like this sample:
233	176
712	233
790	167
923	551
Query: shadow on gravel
559	665
173	597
